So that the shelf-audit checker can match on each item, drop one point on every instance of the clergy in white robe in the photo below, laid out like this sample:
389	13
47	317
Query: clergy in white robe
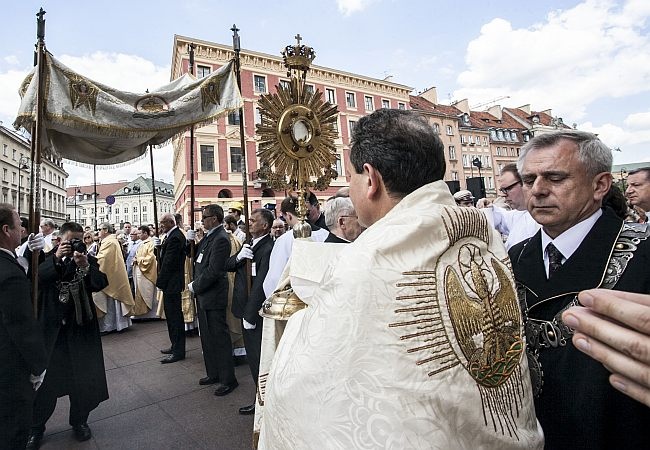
414	336
145	273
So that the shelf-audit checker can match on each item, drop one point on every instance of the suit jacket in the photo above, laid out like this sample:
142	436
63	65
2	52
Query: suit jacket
332	238
22	348
171	269
210	283
243	306
577	407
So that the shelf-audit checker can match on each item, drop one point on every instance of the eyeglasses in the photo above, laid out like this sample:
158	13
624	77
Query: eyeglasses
507	189
354	217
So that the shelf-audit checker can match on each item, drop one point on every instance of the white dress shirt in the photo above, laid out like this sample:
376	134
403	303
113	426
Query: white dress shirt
517	225
569	241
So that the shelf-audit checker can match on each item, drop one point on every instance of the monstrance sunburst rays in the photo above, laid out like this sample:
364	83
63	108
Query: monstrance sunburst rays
297	135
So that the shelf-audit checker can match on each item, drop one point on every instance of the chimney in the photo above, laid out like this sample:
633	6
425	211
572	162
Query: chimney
462	105
430	94
525	108
496	111
548	111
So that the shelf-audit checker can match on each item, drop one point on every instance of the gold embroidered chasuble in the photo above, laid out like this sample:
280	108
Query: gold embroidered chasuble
111	262
413	339
145	274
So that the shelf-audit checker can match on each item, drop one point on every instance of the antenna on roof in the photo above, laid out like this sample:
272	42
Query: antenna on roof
494	100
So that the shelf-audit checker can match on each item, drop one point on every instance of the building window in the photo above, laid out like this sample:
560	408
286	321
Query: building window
144	218
285	84
4	149
337	165
513	136
350	100
353	124
207	159
463	138
117	210
309	88
144	208
336	125
385	104
202	71
452	152
450	130
526	138
466	160
454	175
500	135
259	83
4	174
485	140
498	151
436	128
126	210
493	135
490	183
13	177
258	116
331	96
233	118
368	103
235	159
401	105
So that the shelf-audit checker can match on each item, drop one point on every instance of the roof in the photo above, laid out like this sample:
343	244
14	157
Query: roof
13	134
103	190
422	104
544	119
146	187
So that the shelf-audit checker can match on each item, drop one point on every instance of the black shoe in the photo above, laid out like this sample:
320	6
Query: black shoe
82	432
205	381
225	389
247	410
166	351
171	359
34	440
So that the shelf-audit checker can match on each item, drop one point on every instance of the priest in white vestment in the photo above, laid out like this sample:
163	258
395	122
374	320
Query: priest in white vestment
414	336
145	273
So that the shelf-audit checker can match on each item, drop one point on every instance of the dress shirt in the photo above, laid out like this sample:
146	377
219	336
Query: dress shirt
517	225
569	241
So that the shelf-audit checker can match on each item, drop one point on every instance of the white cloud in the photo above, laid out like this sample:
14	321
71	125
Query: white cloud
9	98
638	120
573	58
349	7
12	60
632	143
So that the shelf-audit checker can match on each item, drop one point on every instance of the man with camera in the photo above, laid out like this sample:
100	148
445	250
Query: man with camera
67	278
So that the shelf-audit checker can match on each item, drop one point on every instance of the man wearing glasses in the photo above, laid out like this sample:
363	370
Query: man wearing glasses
517	223
210	286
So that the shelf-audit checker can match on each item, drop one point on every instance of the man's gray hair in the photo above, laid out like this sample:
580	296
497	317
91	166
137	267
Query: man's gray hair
595	156
48	222
335	208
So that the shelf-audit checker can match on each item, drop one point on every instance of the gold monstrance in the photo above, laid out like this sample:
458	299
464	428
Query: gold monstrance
296	147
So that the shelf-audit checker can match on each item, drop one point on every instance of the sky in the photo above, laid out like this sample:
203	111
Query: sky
589	61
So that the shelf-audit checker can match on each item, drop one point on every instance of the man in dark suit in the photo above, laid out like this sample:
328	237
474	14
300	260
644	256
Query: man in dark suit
342	221
22	351
171	280
210	286
245	304
581	246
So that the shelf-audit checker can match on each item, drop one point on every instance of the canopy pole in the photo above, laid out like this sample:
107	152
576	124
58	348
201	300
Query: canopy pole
192	213
95	191
153	191
36	150
244	172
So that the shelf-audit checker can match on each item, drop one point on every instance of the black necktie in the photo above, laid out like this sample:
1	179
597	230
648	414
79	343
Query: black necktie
554	259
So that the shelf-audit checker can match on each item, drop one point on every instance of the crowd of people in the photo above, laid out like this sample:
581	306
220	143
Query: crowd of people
522	323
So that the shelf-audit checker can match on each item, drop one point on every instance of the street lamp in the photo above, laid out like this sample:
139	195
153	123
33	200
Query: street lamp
22	165
136	189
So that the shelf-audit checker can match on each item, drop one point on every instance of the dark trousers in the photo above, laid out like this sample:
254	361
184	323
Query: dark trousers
15	416
175	323
216	344
253	344
44	407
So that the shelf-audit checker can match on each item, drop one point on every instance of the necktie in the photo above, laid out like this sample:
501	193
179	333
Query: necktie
554	259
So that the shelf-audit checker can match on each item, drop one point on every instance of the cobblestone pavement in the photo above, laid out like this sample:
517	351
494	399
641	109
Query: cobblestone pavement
156	406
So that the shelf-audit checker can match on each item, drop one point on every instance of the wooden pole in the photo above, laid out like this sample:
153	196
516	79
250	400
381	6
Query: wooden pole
244	172
36	150
153	192
192	214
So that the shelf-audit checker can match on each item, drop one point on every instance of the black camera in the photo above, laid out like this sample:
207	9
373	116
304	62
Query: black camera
77	245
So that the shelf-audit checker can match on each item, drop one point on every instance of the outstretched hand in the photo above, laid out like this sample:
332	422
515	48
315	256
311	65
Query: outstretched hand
613	327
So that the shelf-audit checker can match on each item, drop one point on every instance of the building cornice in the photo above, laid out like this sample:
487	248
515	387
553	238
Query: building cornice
210	51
